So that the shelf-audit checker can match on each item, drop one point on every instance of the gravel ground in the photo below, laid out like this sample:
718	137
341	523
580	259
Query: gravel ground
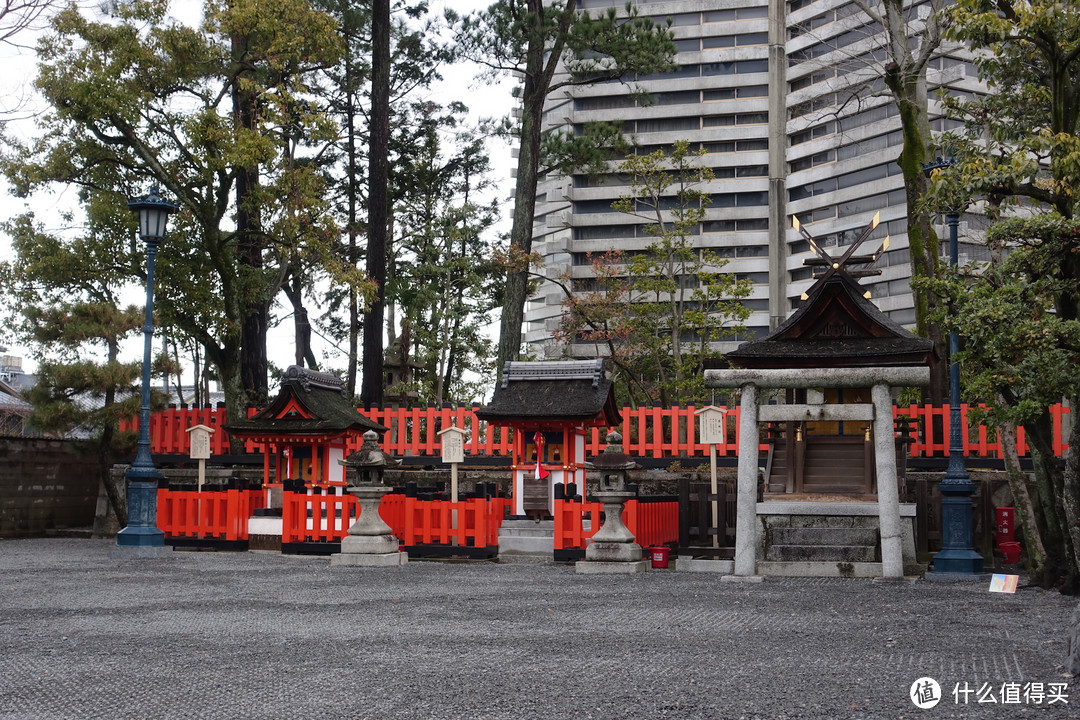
245	635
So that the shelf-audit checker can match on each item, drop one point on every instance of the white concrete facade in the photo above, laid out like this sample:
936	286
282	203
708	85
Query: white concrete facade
765	87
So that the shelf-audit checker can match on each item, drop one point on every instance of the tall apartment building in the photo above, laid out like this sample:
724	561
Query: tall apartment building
766	88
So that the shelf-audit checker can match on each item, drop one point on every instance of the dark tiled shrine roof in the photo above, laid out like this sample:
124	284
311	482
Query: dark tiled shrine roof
836	327
572	390
310	403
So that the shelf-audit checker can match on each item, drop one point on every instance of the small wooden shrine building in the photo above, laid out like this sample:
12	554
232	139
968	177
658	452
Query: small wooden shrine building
838	327
550	405
832	453
306	429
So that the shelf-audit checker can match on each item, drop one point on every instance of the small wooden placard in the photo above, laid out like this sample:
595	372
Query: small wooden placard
453	444
199	436
711	425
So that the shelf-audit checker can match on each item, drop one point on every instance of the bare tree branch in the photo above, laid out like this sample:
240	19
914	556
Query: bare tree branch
17	16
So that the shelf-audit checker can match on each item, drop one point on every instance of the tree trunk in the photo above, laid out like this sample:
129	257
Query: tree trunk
115	487
910	97
353	222
1027	517
226	359
302	354
1061	506
371	391
179	373
249	247
517	276
1070	490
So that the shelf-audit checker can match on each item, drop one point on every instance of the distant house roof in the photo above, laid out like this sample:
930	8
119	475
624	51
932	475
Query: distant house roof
837	327
13	410
310	405
11	399
566	390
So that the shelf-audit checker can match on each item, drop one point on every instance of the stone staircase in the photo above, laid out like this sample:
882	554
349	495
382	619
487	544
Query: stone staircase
526	538
821	546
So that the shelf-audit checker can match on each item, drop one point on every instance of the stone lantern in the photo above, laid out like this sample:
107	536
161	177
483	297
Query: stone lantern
370	541
613	549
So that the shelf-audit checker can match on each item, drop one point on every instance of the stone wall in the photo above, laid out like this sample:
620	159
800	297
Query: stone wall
44	486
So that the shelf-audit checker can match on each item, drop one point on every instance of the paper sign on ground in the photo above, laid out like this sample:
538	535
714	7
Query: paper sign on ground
1003	583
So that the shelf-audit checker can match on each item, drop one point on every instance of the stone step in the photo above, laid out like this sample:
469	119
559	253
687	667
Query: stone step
527	537
527	528
821	553
819	569
527	532
824	536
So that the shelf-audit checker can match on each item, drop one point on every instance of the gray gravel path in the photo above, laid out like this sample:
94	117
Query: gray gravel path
244	635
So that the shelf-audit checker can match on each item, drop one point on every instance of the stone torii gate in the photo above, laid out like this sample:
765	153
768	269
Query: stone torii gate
879	411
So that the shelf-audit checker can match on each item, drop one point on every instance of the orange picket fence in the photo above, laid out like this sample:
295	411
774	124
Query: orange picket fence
649	432
208	515
324	516
320	515
652	522
431	522
934	426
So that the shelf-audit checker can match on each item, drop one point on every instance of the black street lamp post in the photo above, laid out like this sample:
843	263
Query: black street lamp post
957	554
141	537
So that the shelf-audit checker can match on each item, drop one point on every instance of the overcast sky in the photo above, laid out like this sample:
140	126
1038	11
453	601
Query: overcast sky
18	102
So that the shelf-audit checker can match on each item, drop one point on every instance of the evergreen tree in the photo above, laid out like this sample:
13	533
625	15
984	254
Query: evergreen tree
657	314
1020	318
135	101
551	45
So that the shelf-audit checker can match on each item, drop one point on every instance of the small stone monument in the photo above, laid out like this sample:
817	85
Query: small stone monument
370	542
613	549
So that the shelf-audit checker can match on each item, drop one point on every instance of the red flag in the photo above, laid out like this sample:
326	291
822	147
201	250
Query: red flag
541	473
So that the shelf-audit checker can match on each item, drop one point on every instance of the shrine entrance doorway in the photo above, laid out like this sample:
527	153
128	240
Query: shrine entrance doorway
822	457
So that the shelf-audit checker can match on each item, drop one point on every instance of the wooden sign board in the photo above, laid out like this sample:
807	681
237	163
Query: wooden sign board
712	425
200	442
453	444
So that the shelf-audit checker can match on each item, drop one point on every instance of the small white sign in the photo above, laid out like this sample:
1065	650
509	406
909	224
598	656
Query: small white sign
711	425
200	442
453	444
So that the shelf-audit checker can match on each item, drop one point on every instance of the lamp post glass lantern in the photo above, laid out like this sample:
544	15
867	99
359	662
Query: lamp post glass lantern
142	477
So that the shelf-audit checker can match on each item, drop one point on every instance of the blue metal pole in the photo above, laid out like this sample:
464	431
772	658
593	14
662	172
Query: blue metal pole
957	554
142	477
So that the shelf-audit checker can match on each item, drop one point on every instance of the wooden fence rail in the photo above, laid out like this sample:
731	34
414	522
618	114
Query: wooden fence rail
698	526
647	432
325	517
651	522
209	514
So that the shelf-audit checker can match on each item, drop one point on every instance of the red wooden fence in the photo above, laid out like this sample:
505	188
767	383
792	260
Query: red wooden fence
652	523
327	518
979	440
317	517
210	514
430	522
647	432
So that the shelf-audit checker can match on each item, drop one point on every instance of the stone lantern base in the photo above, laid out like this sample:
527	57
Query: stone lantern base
369	551
612	558
393	559
369	542
613	550
601	567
